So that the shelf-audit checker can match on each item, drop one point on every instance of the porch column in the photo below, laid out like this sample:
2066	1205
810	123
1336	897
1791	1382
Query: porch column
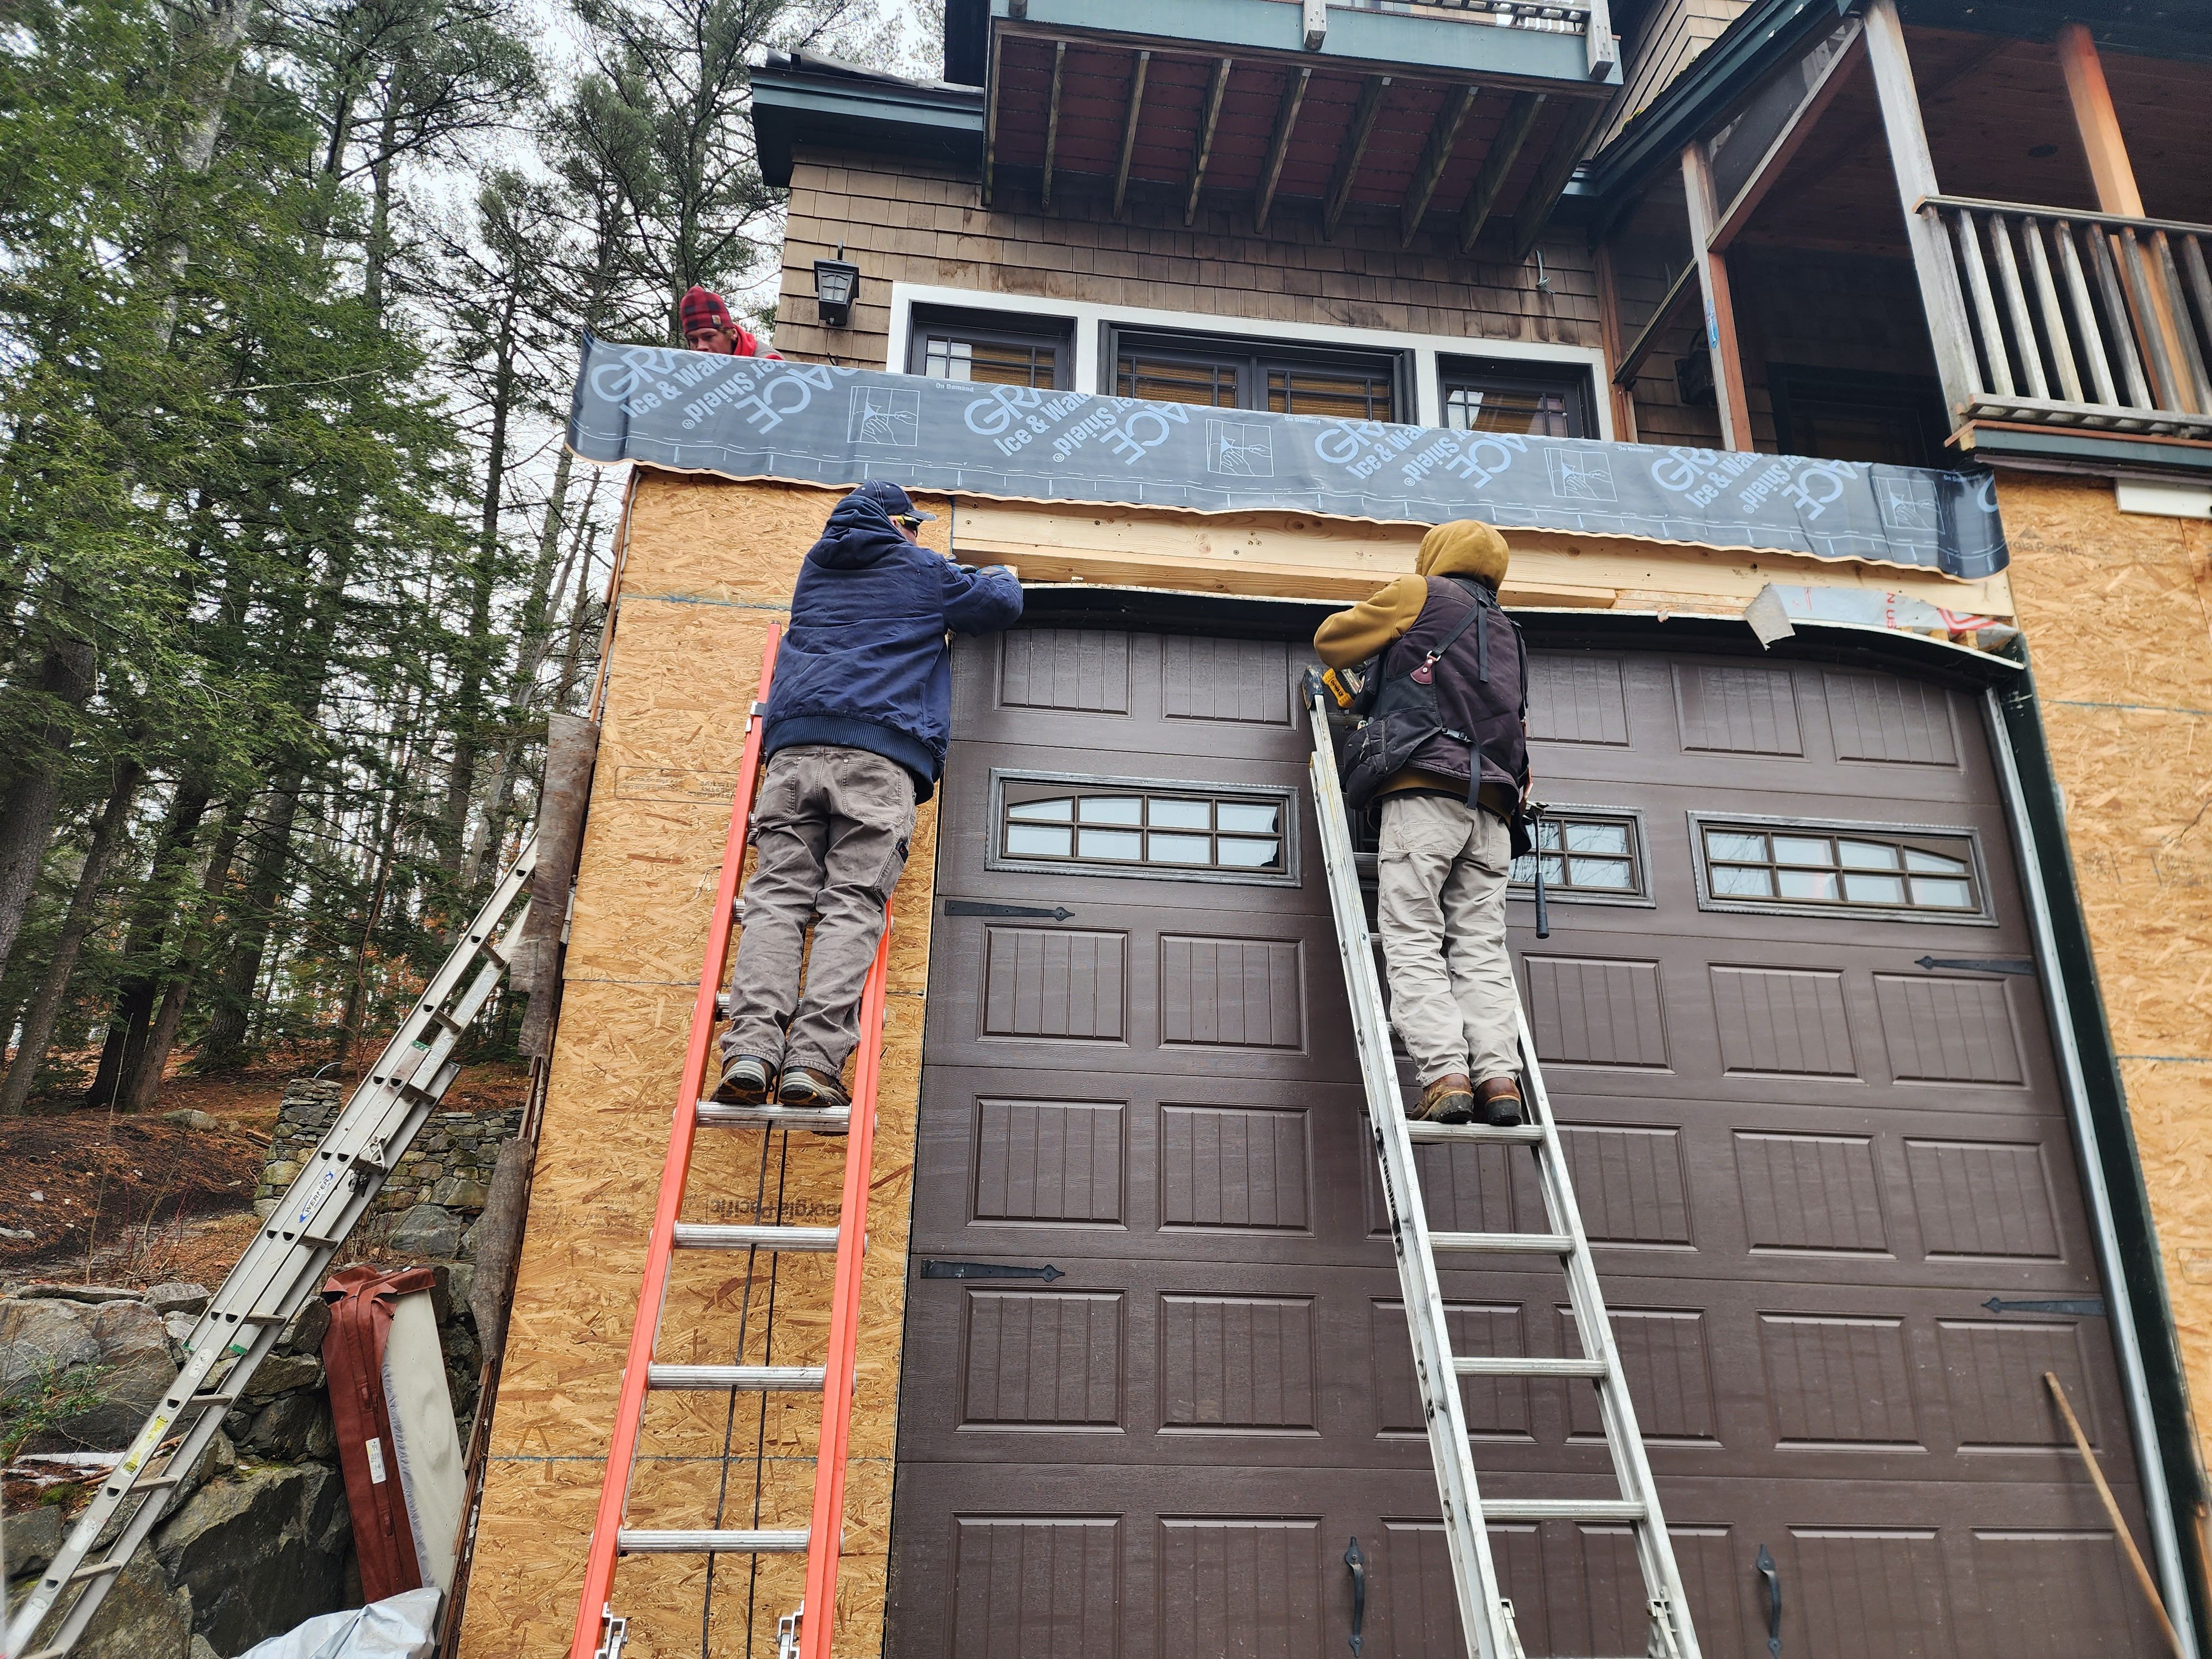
1720	305
1915	172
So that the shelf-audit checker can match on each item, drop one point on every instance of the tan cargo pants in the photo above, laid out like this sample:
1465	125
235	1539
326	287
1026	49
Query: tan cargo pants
1442	874
831	827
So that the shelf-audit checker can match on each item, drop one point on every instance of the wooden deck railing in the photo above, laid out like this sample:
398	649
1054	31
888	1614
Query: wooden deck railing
2082	319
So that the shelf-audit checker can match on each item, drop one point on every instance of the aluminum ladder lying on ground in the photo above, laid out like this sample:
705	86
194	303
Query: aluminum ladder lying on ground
600	1632
1486	1614
280	1270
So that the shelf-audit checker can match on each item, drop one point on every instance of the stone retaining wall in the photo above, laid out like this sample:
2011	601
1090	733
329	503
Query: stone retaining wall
449	1164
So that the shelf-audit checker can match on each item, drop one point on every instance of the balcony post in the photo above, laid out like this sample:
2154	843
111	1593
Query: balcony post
1915	172
1720	303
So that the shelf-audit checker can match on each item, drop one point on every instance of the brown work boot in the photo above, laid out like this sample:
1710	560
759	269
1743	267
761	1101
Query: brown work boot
747	1080
1500	1099
1449	1099
804	1086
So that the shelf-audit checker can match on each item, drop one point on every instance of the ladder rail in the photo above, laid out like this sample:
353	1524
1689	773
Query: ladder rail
1467	1537
1624	1436
825	1531
277	1272
629	1410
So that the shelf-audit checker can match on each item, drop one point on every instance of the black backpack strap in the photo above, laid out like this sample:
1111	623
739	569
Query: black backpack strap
1482	640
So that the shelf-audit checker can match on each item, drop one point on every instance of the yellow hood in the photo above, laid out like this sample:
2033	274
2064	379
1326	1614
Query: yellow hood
1465	547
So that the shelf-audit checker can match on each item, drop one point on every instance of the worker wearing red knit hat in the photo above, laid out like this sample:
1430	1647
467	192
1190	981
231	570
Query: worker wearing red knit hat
708	326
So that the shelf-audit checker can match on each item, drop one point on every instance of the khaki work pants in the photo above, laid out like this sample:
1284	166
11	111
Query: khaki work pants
831	827
1441	884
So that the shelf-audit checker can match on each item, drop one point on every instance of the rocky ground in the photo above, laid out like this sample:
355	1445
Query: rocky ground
259	1537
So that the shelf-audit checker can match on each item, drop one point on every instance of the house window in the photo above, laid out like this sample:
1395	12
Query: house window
990	349
1859	870
1585	856
1848	415
1489	395
1177	369
1154	829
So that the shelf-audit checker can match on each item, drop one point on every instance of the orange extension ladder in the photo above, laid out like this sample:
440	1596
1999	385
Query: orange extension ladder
600	1632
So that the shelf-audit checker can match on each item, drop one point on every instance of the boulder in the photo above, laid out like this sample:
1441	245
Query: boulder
179	1328
34	1537
217	1458
141	1619
200	1650
119	1351
39	1339
284	1373
428	1230
308	1327
260	1551
79	1292
178	1298
296	1427
190	1118
460	1193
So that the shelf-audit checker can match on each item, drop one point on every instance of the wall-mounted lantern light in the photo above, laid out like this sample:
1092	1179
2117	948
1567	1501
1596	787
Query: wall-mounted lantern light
836	284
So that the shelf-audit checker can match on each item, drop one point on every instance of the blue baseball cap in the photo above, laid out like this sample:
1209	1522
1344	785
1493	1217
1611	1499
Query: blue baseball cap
895	501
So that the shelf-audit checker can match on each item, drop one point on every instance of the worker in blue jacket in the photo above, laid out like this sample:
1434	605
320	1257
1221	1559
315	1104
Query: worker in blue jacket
856	727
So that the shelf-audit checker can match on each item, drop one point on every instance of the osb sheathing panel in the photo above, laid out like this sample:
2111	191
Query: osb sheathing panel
709	568
2115	606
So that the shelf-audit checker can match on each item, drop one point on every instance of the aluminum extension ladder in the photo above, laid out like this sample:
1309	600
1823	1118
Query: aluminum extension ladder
600	1632
1486	1613
280	1271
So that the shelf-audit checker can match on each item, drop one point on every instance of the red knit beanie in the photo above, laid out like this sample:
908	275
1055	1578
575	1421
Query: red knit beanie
701	309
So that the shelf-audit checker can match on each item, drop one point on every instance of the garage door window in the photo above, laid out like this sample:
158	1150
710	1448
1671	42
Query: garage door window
1585	856
1856	869
1113	826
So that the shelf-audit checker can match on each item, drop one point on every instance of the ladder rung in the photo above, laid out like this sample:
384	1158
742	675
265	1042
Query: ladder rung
758	1379
1478	1134
715	1235
826	1122
1504	1243
1510	1366
1563	1509
640	1541
98	1570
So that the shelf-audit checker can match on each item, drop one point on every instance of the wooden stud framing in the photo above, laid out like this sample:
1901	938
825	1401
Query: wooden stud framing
1608	321
2098	122
2166	340
1512	133
1795	132
1712	267
991	123
1551	181
1646	338
1052	119
1371	93
1434	160
1603	51
1915	170
1286	118
1143	66
1213	94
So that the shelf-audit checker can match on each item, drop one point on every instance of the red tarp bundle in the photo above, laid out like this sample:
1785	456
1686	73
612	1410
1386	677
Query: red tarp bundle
361	1301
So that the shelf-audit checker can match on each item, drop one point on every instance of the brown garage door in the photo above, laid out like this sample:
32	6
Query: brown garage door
1816	1133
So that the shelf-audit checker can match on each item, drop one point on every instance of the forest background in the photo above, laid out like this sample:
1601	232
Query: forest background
295	565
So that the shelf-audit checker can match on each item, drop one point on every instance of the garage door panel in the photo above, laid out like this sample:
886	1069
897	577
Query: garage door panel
1134	987
1831	1187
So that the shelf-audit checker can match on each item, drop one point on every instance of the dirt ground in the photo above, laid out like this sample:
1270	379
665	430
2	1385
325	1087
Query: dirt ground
109	1198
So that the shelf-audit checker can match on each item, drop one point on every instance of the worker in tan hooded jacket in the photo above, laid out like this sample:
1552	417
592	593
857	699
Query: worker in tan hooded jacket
1445	853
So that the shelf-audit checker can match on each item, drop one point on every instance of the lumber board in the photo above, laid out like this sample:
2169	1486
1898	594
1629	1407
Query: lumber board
1298	555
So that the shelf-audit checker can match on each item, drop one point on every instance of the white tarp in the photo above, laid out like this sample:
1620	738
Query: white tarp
401	1626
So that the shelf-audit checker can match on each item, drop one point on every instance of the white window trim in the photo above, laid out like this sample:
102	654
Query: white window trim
1087	317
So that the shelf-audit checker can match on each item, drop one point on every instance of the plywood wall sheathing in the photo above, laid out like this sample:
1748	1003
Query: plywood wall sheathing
2119	623
711	565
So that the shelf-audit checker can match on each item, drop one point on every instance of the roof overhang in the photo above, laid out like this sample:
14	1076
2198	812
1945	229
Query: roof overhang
797	103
